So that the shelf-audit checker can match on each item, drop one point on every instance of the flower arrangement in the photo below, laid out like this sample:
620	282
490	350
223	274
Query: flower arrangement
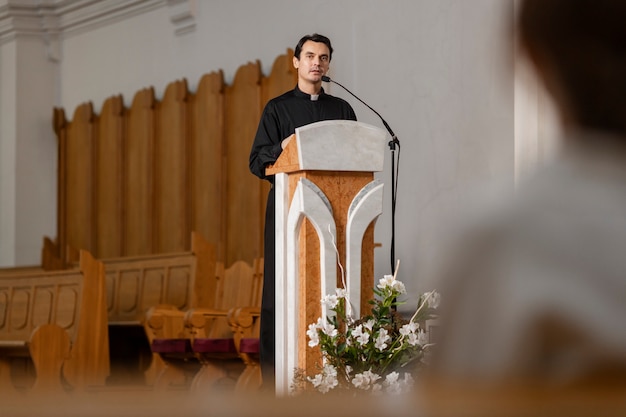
368	353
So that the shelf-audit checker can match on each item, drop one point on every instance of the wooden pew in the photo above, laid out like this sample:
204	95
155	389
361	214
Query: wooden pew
198	345
245	323
57	319
134	285
213	340
9	272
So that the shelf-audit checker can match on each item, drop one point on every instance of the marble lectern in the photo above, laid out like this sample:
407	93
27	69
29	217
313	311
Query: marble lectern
327	201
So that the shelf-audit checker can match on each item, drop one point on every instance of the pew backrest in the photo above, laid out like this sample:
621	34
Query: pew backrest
72	300
183	280
240	286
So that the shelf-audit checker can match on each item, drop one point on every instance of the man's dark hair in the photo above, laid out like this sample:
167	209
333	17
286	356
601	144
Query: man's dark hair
316	37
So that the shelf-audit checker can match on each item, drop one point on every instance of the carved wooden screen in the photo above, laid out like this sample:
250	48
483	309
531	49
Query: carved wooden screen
137	180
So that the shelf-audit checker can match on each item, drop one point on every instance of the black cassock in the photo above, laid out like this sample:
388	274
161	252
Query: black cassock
281	116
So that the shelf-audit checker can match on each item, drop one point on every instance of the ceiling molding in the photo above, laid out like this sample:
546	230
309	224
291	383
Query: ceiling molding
51	18
182	15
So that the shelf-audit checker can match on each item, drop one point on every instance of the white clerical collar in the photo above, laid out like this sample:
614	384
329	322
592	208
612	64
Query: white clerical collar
314	97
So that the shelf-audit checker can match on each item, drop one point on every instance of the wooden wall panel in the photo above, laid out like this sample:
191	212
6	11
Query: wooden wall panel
207	160
171	179
282	78
137	181
243	224
53	251
109	173
138	175
78	179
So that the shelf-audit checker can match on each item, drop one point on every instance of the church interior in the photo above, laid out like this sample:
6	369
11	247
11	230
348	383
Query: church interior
131	228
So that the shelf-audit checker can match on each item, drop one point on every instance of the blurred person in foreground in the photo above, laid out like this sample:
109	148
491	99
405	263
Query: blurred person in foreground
537	297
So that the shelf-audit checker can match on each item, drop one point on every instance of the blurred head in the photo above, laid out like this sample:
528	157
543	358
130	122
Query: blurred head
578	48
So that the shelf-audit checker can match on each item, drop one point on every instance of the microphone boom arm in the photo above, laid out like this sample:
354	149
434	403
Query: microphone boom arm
394	138
394	171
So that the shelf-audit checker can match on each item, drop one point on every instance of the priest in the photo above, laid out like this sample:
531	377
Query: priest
306	103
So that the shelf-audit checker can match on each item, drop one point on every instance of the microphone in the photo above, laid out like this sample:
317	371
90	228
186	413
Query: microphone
394	138
394	172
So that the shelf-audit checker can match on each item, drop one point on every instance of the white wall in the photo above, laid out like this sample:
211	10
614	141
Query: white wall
440	72
8	60
28	148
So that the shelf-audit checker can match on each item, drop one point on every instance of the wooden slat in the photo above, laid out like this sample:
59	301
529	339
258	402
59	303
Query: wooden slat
206	159
171	159
79	174
139	175
243	223
109	173
53	253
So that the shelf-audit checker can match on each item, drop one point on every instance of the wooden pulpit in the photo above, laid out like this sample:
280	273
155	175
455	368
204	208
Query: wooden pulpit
327	201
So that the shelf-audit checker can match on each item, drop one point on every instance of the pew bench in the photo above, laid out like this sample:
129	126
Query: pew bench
245	323
135	284
198	345
57	320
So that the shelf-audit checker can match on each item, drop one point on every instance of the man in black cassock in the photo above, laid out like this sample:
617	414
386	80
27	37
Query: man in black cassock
306	103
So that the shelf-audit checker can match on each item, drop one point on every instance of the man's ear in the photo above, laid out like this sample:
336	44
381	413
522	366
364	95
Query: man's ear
296	62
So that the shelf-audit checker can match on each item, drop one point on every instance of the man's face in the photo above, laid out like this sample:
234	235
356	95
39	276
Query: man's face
313	63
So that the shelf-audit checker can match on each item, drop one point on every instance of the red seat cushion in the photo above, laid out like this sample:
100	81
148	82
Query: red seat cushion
214	346
171	346
249	345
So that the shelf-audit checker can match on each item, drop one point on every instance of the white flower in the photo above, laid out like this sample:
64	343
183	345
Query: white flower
407	383
371	376
434	299
360	381
392	384
325	381
392	378
361	337
382	339
313	335
389	281
365	379
330	300
413	339
369	325
316	380
329	370
329	330
413	326
409	328
341	292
